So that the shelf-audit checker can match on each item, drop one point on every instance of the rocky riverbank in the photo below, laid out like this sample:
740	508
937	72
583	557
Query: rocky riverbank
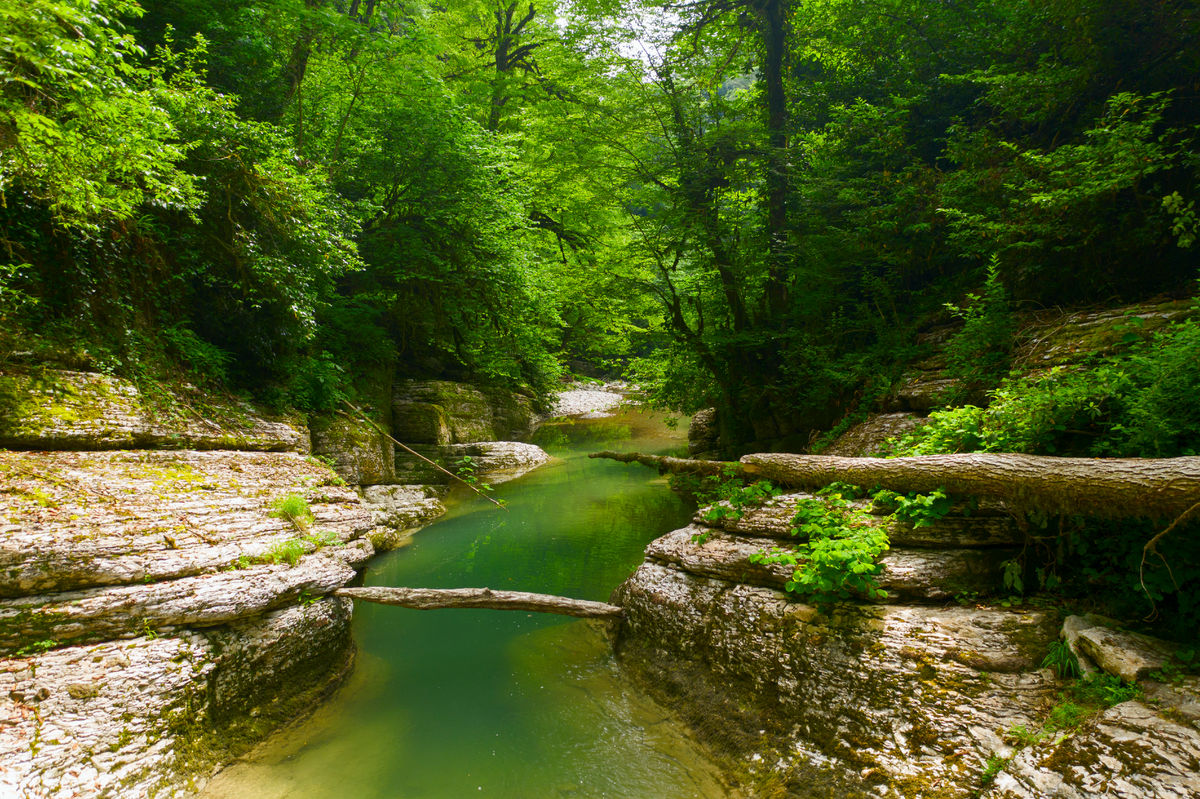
165	566
918	696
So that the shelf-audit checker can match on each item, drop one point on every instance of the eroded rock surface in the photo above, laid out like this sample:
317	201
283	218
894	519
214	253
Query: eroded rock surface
494	461
153	716
912	696
71	520
160	614
855	701
61	409
1129	751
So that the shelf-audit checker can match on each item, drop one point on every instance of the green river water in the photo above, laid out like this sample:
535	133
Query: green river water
447	704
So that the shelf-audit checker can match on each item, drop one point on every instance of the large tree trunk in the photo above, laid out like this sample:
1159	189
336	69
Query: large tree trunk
432	598
1117	487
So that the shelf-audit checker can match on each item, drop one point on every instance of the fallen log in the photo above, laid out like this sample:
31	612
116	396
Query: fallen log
1110	487
666	463
433	598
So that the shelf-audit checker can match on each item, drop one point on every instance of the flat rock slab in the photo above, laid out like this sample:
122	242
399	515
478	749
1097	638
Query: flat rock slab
493	461
909	574
1130	656
72	520
100	614
1131	751
774	520
581	401
60	409
867	437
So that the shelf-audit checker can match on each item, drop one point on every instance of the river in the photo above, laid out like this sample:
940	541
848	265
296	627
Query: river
447	704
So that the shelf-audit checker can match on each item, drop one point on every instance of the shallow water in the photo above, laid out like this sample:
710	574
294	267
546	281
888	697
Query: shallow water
455	703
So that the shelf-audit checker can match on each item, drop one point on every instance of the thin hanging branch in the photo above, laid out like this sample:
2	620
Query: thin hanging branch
362	417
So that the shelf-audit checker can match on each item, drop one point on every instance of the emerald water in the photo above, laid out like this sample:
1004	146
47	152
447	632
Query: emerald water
446	704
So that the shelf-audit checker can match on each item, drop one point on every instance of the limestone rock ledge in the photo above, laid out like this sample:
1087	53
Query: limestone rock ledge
854	701
45	408
494	461
158	615
908	698
153	716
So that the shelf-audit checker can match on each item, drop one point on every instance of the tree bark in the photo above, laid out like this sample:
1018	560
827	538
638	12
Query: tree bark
1113	487
1116	487
665	463
432	598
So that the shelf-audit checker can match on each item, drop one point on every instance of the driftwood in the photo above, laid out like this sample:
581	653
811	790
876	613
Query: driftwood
1113	487
432	598
665	463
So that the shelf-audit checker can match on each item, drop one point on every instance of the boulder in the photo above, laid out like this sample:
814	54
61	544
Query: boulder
493	461
360	454
72	520
1130	656
444	412
61	409
399	510
703	434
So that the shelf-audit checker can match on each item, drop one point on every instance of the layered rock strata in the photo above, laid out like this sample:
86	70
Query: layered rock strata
908	697
159	613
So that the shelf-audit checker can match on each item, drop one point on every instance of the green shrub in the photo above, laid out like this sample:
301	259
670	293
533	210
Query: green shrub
979	353
1162	417
294	508
206	360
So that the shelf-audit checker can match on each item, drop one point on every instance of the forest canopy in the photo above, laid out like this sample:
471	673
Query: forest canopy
748	204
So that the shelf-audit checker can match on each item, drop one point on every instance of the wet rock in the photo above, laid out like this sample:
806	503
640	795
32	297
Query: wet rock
361	455
866	438
1128	752
59	409
264	658
1130	656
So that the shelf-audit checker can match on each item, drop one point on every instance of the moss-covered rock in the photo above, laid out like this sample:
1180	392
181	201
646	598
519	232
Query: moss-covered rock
360	454
60	409
444	412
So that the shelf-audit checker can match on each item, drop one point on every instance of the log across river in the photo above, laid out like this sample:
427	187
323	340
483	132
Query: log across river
462	703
